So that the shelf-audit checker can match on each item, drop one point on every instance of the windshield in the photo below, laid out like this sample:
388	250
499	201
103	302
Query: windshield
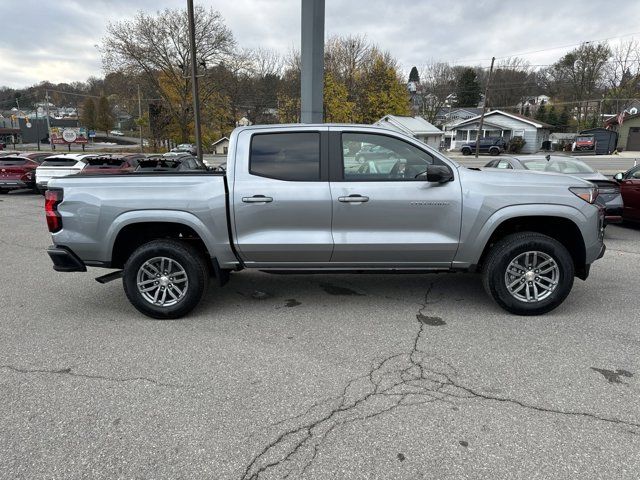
558	166
584	139
105	162
59	162
12	162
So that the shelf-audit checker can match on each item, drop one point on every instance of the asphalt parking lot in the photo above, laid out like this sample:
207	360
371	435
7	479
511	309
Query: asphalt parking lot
336	376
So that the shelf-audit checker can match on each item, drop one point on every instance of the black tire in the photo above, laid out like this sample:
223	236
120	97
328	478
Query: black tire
508	249
494	152
191	260
466	151
3	191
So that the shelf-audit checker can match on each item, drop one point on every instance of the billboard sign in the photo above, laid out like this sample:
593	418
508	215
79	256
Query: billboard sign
66	135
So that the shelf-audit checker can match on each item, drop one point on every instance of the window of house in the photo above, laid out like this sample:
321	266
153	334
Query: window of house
286	156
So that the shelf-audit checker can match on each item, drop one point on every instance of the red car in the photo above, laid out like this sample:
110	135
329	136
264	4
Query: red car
585	143
112	164
630	190
19	170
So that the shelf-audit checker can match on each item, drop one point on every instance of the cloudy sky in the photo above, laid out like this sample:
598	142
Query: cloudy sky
57	40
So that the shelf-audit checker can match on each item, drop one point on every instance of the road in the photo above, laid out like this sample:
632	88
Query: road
325	376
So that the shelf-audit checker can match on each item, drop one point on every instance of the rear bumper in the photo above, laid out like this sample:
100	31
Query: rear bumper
64	260
14	184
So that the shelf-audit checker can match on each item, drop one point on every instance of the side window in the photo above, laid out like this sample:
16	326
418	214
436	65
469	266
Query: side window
504	164
286	156
634	174
372	157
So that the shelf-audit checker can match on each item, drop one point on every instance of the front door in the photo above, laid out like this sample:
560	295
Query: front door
281	199
382	214
630	189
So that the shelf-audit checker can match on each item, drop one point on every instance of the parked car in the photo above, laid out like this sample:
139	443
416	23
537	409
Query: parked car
116	133
609	196
287	205
177	163
490	145
59	165
186	148
19	171
629	182
584	143
112	163
373	152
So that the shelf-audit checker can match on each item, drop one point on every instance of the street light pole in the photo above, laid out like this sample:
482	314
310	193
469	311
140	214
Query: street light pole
312	56
194	77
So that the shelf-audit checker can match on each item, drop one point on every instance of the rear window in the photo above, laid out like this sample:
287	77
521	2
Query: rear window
59	162
105	162
12	162
286	156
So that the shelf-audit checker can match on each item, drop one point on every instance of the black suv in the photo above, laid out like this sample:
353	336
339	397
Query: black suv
490	145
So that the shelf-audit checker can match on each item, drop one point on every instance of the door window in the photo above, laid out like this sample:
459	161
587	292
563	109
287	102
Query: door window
504	164
372	157
286	156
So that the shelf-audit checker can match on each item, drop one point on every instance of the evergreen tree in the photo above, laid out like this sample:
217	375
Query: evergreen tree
552	116
527	111
541	113
88	117
414	76
467	89
104	117
564	119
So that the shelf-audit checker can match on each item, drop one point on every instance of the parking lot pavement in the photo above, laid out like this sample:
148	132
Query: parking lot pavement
336	376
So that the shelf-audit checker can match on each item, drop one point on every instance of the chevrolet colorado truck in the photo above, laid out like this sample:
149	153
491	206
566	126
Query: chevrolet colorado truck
291	199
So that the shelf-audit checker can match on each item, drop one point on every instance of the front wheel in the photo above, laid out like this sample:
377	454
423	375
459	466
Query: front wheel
165	279
466	151
528	273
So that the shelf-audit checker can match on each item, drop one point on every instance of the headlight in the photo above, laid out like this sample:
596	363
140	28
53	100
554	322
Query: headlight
588	194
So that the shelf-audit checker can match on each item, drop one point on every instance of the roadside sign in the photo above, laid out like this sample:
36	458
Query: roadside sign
66	135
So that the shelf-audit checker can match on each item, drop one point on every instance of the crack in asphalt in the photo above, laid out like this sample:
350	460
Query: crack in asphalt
406	379
70	372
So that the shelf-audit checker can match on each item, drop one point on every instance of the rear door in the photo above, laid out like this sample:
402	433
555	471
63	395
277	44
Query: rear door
281	197
382	215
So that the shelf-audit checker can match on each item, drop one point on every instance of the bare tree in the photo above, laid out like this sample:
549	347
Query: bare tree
623	75
437	81
512	82
157	46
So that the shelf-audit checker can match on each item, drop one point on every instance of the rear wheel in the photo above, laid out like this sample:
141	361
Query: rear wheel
165	279
3	191
528	273
494	151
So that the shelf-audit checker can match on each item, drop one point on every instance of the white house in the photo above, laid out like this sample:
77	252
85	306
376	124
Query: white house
417	127
502	124
220	147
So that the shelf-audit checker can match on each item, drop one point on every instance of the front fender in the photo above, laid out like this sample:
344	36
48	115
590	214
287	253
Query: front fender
478	231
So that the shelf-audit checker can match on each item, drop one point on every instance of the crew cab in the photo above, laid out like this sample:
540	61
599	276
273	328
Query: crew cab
59	166
291	201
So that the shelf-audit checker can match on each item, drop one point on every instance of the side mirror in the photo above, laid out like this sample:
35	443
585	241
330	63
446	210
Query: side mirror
618	176
436	174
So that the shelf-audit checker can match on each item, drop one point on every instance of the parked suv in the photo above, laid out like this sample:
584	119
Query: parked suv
19	171
490	145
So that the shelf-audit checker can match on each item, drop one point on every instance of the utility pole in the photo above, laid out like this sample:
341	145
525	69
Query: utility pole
194	77
140	119
312	54
484	107
37	128
46	99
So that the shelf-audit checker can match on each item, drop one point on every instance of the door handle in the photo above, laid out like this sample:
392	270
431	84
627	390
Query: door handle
257	199
354	199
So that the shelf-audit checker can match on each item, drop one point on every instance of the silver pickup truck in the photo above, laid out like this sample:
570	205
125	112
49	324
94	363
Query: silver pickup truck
294	198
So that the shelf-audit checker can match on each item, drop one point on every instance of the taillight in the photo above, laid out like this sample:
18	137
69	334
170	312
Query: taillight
52	199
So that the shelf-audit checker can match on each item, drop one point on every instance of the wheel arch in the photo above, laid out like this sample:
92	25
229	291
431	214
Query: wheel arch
564	230
129	232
